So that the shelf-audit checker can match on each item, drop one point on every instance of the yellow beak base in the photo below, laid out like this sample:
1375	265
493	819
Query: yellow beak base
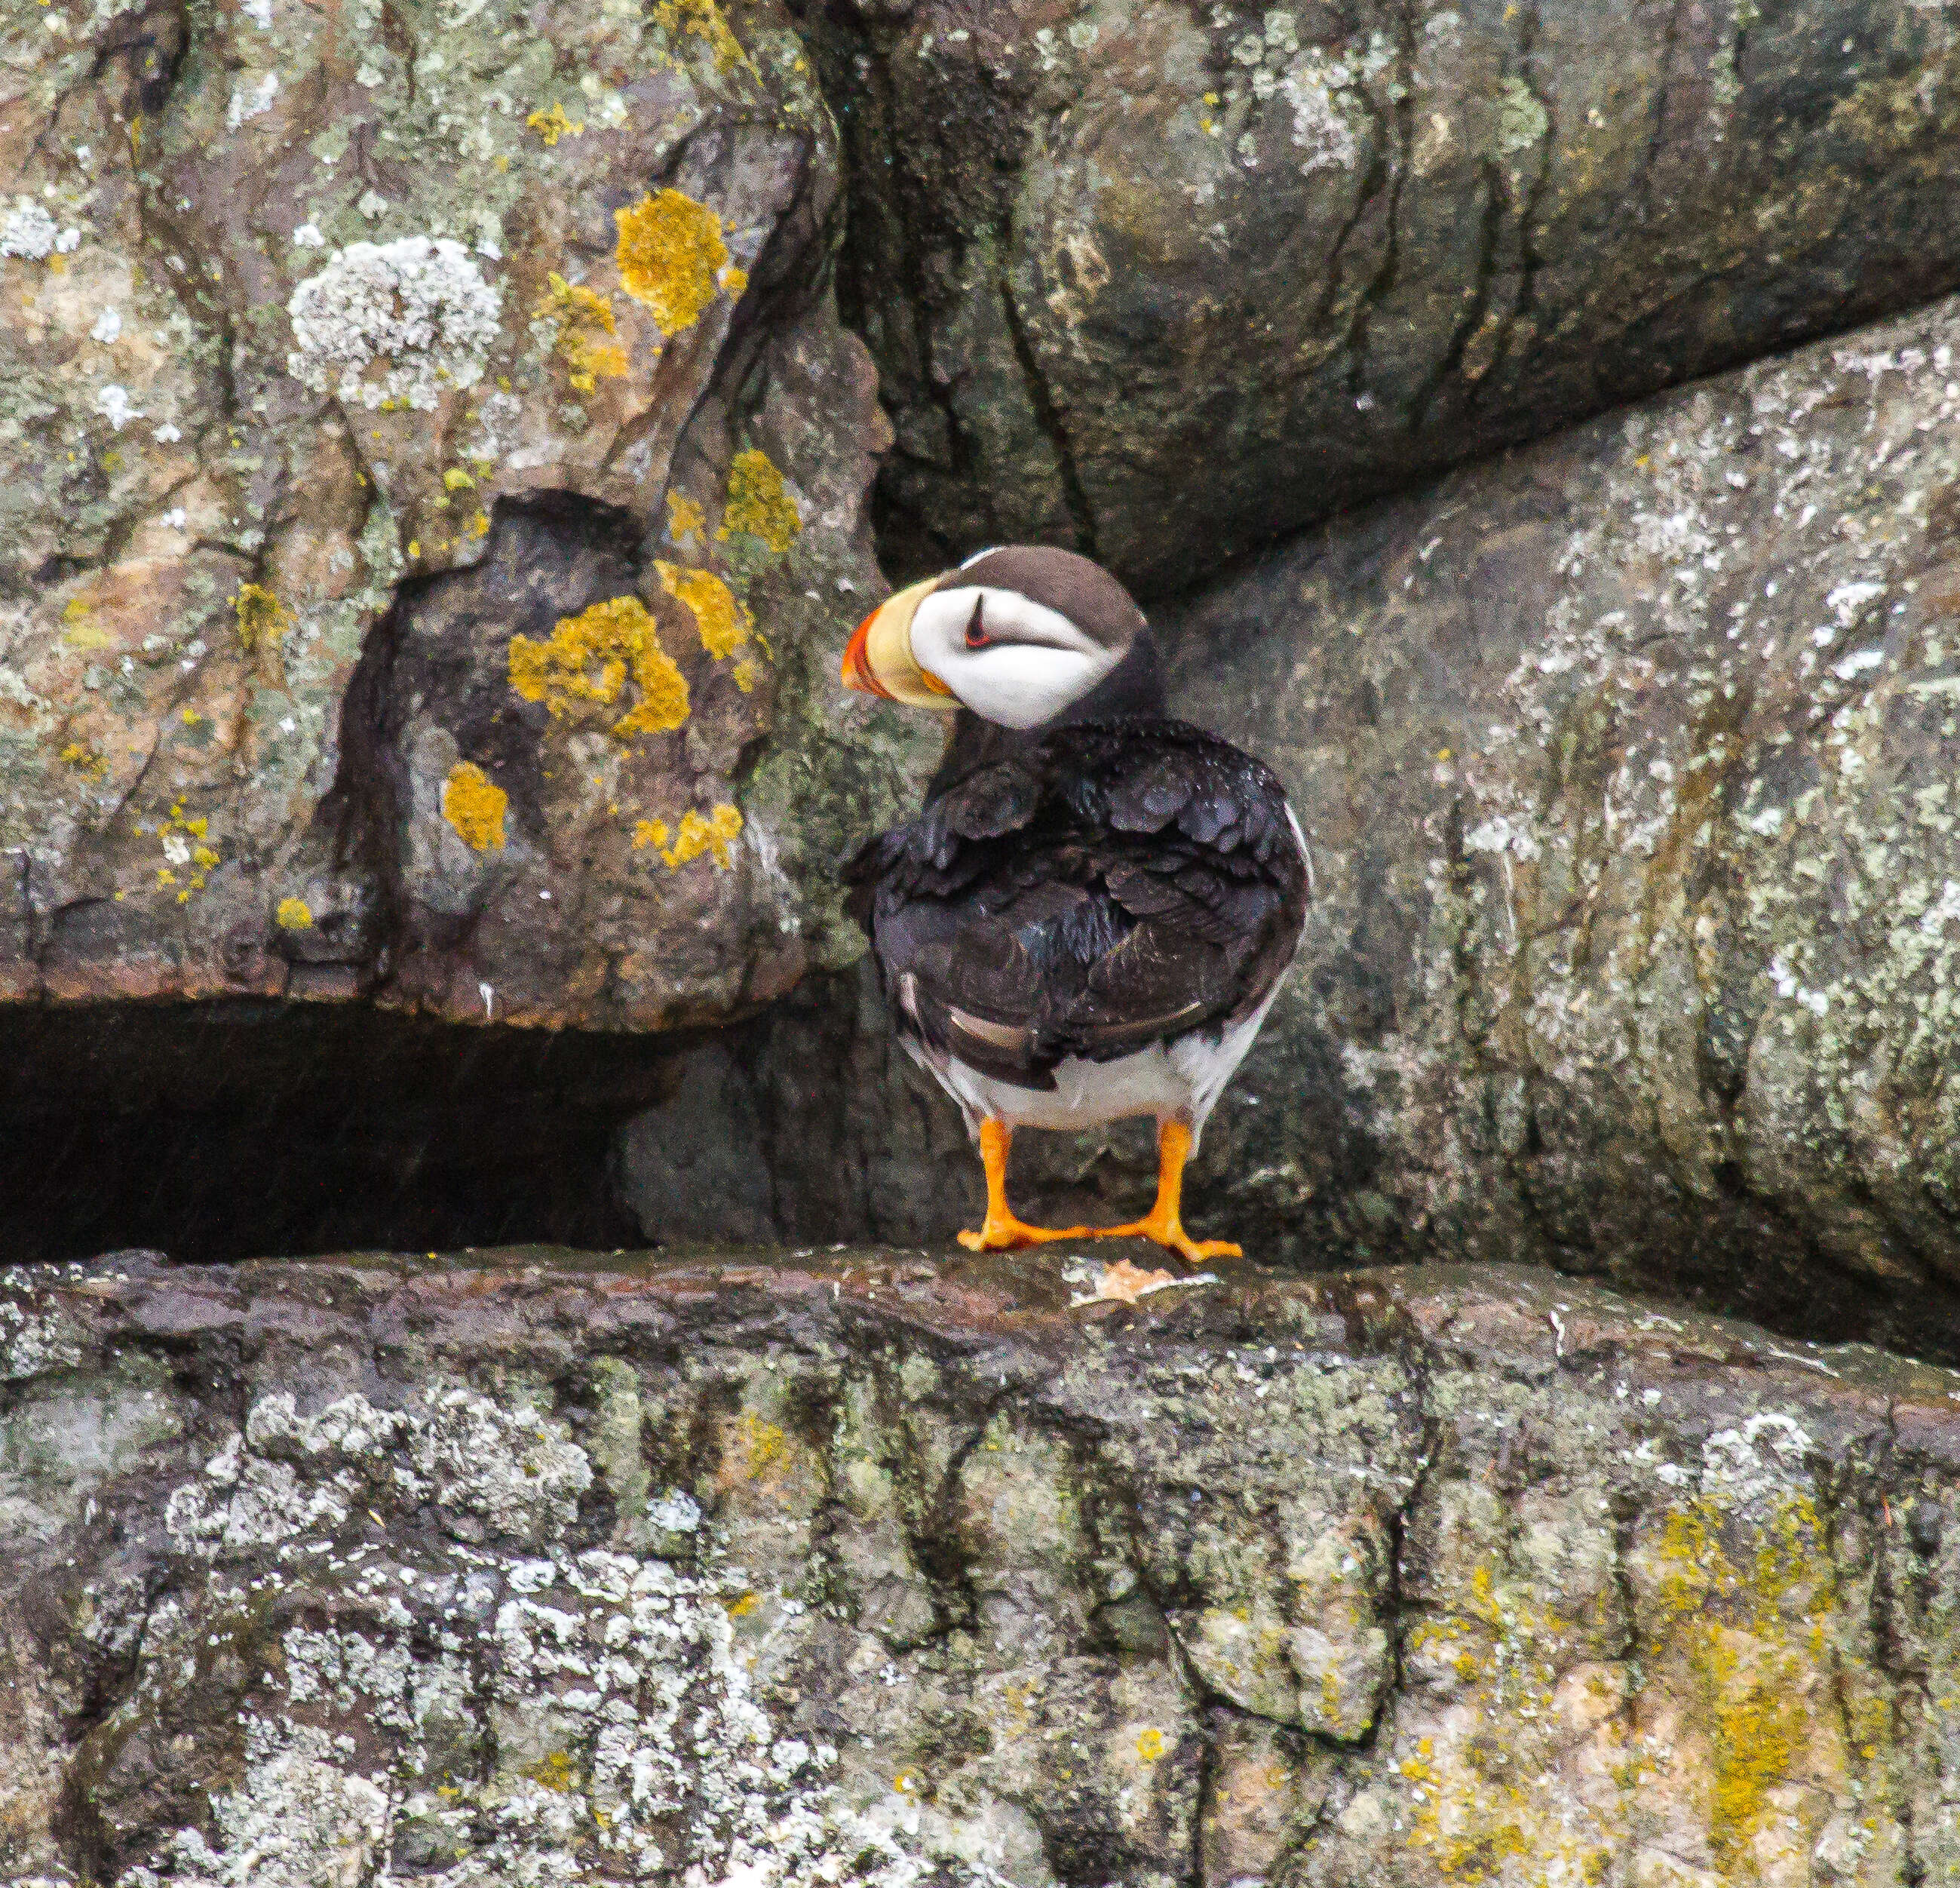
879	660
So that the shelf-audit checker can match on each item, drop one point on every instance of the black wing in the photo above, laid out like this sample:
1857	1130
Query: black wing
1117	884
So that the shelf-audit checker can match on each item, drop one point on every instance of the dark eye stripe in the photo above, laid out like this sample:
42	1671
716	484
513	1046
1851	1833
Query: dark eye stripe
977	637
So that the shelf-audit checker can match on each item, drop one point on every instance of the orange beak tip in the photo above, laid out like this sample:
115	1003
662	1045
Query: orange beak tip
858	674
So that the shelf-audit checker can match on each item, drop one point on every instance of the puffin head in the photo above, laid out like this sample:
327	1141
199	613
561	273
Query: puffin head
1021	635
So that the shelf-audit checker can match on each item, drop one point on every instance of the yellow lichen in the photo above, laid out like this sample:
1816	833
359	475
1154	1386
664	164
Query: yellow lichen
589	658
716	834
456	479
262	618
554	1772
176	835
759	503
745	673
83	631
761	1444
671	254
685	518
85	760
583	318
1150	1745
551	125
721	618
1752	1634
474	805
294	914
704	20
1477	1810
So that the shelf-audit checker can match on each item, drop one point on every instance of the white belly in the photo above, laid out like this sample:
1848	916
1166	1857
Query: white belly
1180	1081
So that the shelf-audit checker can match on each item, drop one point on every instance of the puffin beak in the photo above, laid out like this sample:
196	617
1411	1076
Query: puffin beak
857	663
879	660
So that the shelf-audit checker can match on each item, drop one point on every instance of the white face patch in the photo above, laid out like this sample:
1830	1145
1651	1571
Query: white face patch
1035	662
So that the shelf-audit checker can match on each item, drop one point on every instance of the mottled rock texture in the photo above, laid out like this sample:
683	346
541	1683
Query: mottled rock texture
430	465
1627	766
878	1571
1160	280
1626	763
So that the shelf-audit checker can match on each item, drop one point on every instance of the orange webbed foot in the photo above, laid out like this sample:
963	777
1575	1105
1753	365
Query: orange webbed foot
1005	1234
1163	1224
1000	1230
1173	1237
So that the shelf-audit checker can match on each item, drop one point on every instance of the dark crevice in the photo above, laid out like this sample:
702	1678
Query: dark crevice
1207	1795
934	1539
1383	281
1643	184
1531	258
1489	228
1372	187
233	1129
139	55
863	109
1048	417
1396	1604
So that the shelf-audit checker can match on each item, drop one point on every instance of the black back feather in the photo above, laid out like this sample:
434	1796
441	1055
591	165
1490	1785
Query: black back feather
1084	893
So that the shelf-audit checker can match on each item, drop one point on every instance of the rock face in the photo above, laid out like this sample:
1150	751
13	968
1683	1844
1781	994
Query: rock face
1159	281
881	1573
429	461
1626	764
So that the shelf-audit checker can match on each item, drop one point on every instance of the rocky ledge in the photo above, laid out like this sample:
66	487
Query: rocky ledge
518	1567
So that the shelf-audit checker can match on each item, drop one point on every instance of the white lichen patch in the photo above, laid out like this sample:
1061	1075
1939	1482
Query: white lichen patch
1320	134
300	1818
33	1343
114	403
394	322
497	1707
511	1470
1523	121
251	101
1766	1456
28	231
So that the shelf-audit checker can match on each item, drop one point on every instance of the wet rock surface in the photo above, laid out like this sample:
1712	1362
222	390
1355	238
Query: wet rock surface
874	1569
1159	281
431	468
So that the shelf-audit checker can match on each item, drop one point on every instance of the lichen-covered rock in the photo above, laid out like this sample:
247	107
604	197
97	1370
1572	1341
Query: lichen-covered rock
1627	766
1161	280
335	339
881	1572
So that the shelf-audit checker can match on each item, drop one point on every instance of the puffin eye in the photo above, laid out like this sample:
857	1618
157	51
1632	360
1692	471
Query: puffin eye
977	637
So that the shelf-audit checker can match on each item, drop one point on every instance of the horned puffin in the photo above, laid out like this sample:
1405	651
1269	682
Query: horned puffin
1093	910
